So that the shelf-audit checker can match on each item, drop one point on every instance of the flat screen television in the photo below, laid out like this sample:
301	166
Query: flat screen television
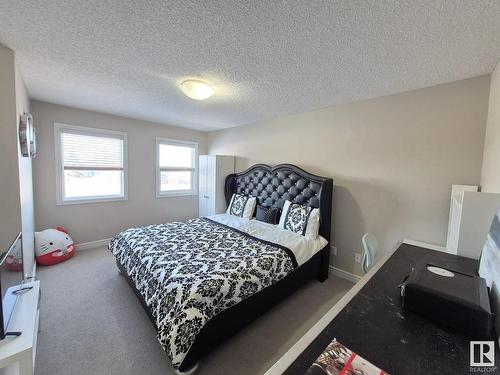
11	281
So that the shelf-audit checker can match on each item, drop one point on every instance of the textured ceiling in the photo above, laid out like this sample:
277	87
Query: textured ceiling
266	58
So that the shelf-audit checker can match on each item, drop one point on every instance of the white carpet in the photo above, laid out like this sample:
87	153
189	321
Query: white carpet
93	324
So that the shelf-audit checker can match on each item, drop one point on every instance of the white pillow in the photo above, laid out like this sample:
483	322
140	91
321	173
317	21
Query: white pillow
305	220
242	206
312	230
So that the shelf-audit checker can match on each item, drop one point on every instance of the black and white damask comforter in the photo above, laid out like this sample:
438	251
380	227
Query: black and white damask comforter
188	272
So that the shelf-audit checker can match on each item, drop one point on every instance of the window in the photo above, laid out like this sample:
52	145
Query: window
176	167
90	164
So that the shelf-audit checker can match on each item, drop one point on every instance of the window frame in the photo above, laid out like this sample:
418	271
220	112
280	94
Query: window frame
195	170
84	130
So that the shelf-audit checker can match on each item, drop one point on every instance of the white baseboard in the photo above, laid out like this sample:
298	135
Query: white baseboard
344	274
92	244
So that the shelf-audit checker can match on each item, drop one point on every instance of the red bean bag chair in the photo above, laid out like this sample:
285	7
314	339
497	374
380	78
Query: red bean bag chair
53	246
14	264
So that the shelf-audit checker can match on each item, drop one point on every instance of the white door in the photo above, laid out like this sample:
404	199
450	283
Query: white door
211	183
202	186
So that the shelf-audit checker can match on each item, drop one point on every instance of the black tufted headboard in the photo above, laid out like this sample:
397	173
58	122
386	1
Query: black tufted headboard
273	185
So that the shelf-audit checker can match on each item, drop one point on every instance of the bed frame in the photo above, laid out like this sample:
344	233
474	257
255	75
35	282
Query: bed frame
271	186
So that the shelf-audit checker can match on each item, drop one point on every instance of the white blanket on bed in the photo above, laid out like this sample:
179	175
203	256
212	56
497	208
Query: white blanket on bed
302	247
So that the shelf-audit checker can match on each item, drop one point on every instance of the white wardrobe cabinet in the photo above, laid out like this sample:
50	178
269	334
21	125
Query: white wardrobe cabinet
213	170
471	213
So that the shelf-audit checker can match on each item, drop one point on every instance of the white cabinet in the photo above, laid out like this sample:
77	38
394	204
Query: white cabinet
213	170
17	355
471	213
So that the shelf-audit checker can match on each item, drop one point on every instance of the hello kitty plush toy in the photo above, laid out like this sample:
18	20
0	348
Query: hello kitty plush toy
53	246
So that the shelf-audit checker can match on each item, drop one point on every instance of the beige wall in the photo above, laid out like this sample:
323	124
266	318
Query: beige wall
16	187
490	175
96	221
25	184
10	209
393	159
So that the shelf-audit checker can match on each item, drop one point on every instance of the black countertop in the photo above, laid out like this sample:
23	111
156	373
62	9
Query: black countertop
373	325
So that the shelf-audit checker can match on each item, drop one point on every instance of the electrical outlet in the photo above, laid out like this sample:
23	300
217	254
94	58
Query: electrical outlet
333	250
357	257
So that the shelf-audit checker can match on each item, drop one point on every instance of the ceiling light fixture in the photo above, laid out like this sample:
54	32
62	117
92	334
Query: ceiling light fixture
196	89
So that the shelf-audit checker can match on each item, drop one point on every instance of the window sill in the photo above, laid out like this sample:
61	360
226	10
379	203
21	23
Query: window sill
89	200
176	194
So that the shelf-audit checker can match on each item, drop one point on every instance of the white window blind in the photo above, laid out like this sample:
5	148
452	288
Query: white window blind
176	167
91	152
91	164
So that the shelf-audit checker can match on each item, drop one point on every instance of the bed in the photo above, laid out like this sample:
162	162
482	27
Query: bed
202	280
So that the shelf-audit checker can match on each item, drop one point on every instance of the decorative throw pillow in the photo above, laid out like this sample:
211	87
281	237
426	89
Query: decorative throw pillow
312	230
242	206
267	215
300	219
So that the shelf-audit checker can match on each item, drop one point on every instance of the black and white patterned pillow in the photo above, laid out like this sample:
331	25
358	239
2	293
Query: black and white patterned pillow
267	215
237	205
296	217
